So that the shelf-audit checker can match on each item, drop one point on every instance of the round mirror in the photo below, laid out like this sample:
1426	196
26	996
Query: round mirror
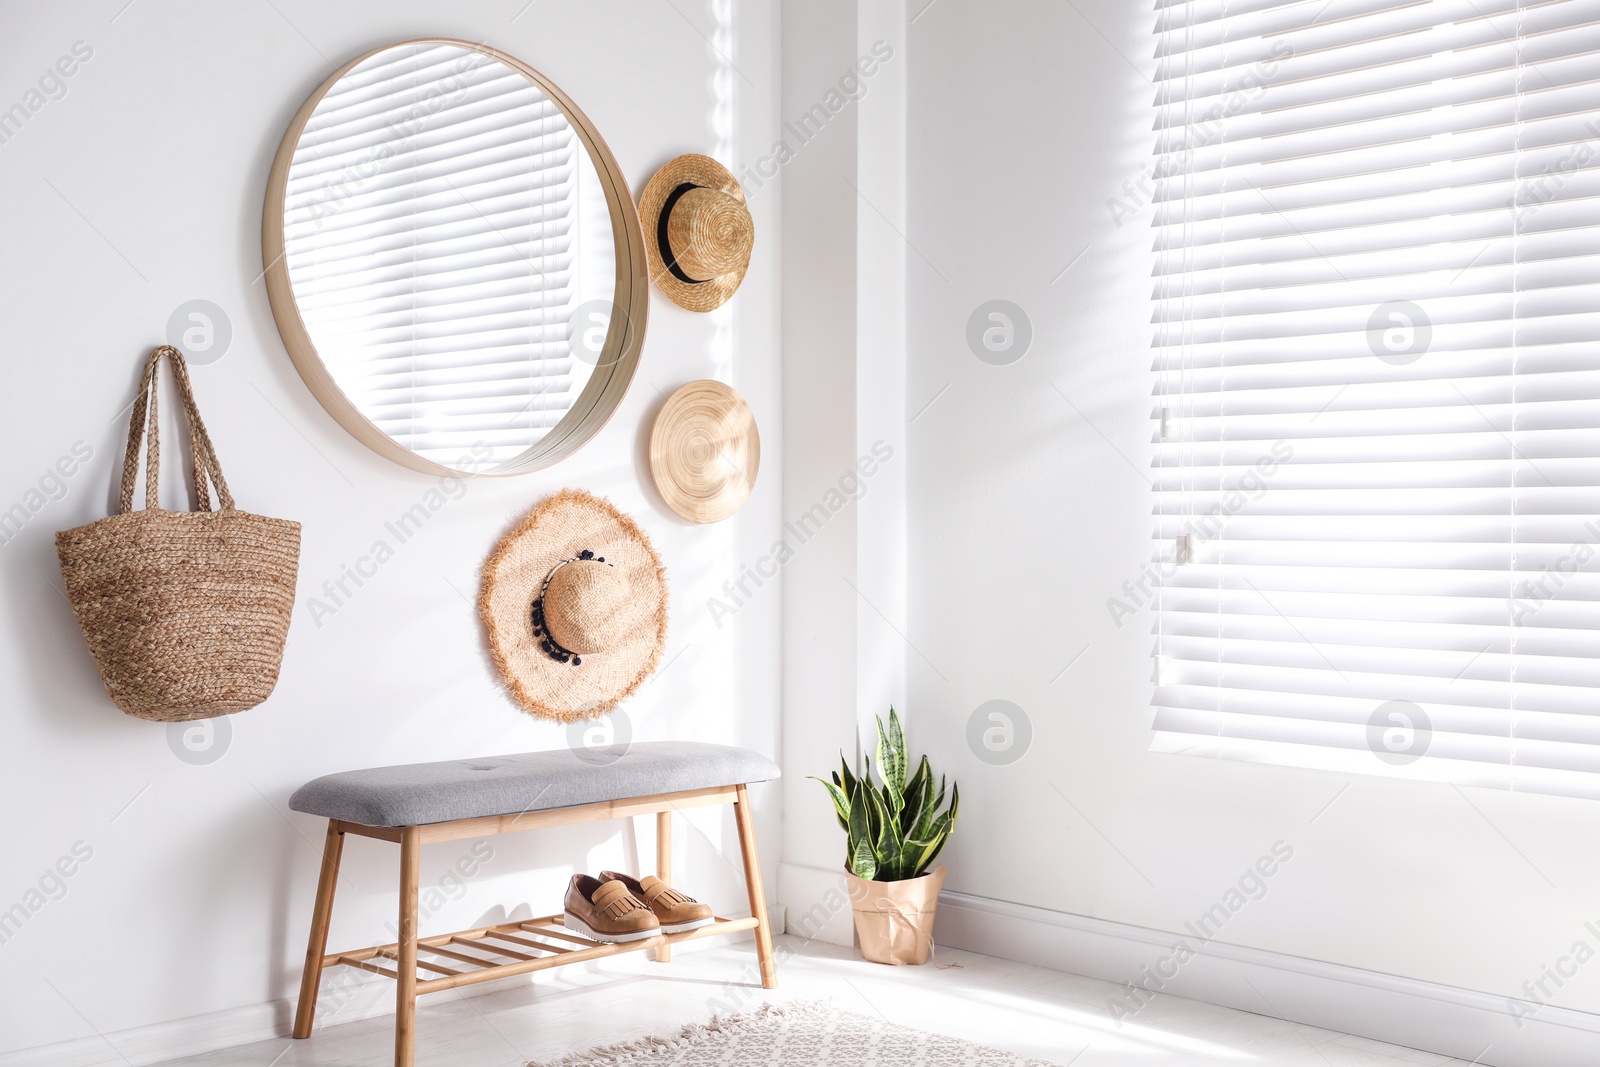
454	260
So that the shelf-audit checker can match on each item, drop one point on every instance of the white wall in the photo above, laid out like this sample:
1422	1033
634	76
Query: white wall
819	399
1029	507
845	70
140	189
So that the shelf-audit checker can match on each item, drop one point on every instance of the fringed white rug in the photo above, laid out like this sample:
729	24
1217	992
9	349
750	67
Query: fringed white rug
802	1034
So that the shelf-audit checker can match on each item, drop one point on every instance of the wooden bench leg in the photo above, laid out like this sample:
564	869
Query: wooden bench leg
758	895
311	978
664	867
405	1011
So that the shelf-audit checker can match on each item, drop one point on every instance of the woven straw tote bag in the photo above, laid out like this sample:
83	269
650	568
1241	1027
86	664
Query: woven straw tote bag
185	612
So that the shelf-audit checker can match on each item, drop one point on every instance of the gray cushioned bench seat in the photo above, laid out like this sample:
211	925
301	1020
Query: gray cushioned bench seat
420	793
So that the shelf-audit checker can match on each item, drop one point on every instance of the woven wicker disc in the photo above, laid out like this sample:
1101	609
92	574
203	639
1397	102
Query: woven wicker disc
705	451
695	207
624	637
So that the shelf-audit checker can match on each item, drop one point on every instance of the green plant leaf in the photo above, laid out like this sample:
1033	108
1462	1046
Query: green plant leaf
859	855
919	854
888	844
943	827
919	798
848	783
872	802
892	765
841	803
924	827
931	855
897	741
862	863
924	774
938	833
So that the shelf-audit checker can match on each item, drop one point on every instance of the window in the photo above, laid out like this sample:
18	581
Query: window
1377	418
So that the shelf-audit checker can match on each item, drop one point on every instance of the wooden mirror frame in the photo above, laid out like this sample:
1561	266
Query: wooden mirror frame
618	361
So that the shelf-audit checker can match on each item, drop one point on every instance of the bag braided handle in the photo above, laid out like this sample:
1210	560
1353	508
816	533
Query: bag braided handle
146	416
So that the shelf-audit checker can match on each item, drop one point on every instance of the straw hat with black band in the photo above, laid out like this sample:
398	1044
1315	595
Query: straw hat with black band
574	600
698	232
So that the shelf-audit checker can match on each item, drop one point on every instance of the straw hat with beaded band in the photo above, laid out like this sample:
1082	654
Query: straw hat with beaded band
698	232
574	600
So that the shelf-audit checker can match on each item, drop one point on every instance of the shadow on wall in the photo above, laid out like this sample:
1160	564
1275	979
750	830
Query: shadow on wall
641	454
59	682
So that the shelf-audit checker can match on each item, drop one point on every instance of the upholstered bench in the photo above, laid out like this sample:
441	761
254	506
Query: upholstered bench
422	803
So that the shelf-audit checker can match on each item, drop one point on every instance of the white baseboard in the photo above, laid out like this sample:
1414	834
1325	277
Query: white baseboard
362	998
347	996
817	904
162	1041
1404	1011
1472	1026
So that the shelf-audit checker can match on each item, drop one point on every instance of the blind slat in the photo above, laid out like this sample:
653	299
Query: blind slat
1375	312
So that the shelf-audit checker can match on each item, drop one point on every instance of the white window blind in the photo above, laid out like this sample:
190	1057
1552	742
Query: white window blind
433	219
1377	334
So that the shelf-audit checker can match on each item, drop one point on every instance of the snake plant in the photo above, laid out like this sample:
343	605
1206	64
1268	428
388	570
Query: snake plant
894	826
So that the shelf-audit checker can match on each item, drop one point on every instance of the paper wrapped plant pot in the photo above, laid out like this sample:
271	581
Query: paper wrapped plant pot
894	920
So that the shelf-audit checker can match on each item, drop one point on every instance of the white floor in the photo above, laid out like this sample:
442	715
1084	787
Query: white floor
1047	1014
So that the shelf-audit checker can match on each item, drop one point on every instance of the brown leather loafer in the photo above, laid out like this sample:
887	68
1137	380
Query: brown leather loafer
605	910
672	909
